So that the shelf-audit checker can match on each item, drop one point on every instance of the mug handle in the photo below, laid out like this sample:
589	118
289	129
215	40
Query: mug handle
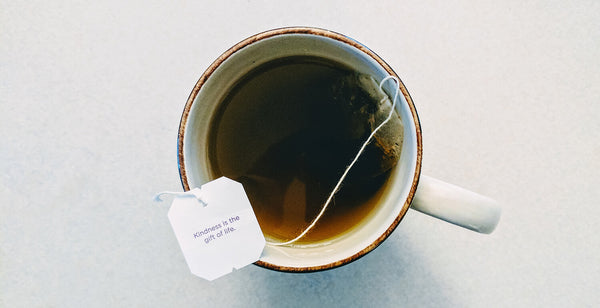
456	205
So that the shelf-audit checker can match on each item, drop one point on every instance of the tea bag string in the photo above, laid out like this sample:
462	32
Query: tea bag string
195	193
339	183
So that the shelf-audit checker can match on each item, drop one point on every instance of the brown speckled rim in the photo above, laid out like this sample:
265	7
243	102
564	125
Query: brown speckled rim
346	40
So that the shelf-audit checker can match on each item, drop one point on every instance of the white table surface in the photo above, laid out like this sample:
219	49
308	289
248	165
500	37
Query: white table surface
90	100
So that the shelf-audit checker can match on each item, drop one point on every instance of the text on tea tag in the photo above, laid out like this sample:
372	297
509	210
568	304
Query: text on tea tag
216	228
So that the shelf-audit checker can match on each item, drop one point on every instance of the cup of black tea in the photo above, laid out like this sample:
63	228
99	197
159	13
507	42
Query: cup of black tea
284	112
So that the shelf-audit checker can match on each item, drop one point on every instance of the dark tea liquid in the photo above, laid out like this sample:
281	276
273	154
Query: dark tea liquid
278	135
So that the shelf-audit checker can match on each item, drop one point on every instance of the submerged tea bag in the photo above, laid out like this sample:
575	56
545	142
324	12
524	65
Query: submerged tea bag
364	106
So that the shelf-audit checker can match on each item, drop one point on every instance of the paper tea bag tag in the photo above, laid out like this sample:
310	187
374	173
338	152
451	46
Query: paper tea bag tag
216	228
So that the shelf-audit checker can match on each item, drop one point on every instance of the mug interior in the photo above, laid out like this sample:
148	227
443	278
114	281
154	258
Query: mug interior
222	75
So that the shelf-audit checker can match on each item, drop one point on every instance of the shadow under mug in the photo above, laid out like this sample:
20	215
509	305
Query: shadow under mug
408	188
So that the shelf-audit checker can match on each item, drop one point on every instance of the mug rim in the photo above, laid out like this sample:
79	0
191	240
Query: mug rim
346	40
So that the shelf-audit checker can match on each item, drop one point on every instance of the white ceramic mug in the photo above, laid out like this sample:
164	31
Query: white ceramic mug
408	188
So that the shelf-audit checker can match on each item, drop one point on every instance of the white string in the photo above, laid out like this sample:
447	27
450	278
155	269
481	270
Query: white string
339	183
158	196
196	193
